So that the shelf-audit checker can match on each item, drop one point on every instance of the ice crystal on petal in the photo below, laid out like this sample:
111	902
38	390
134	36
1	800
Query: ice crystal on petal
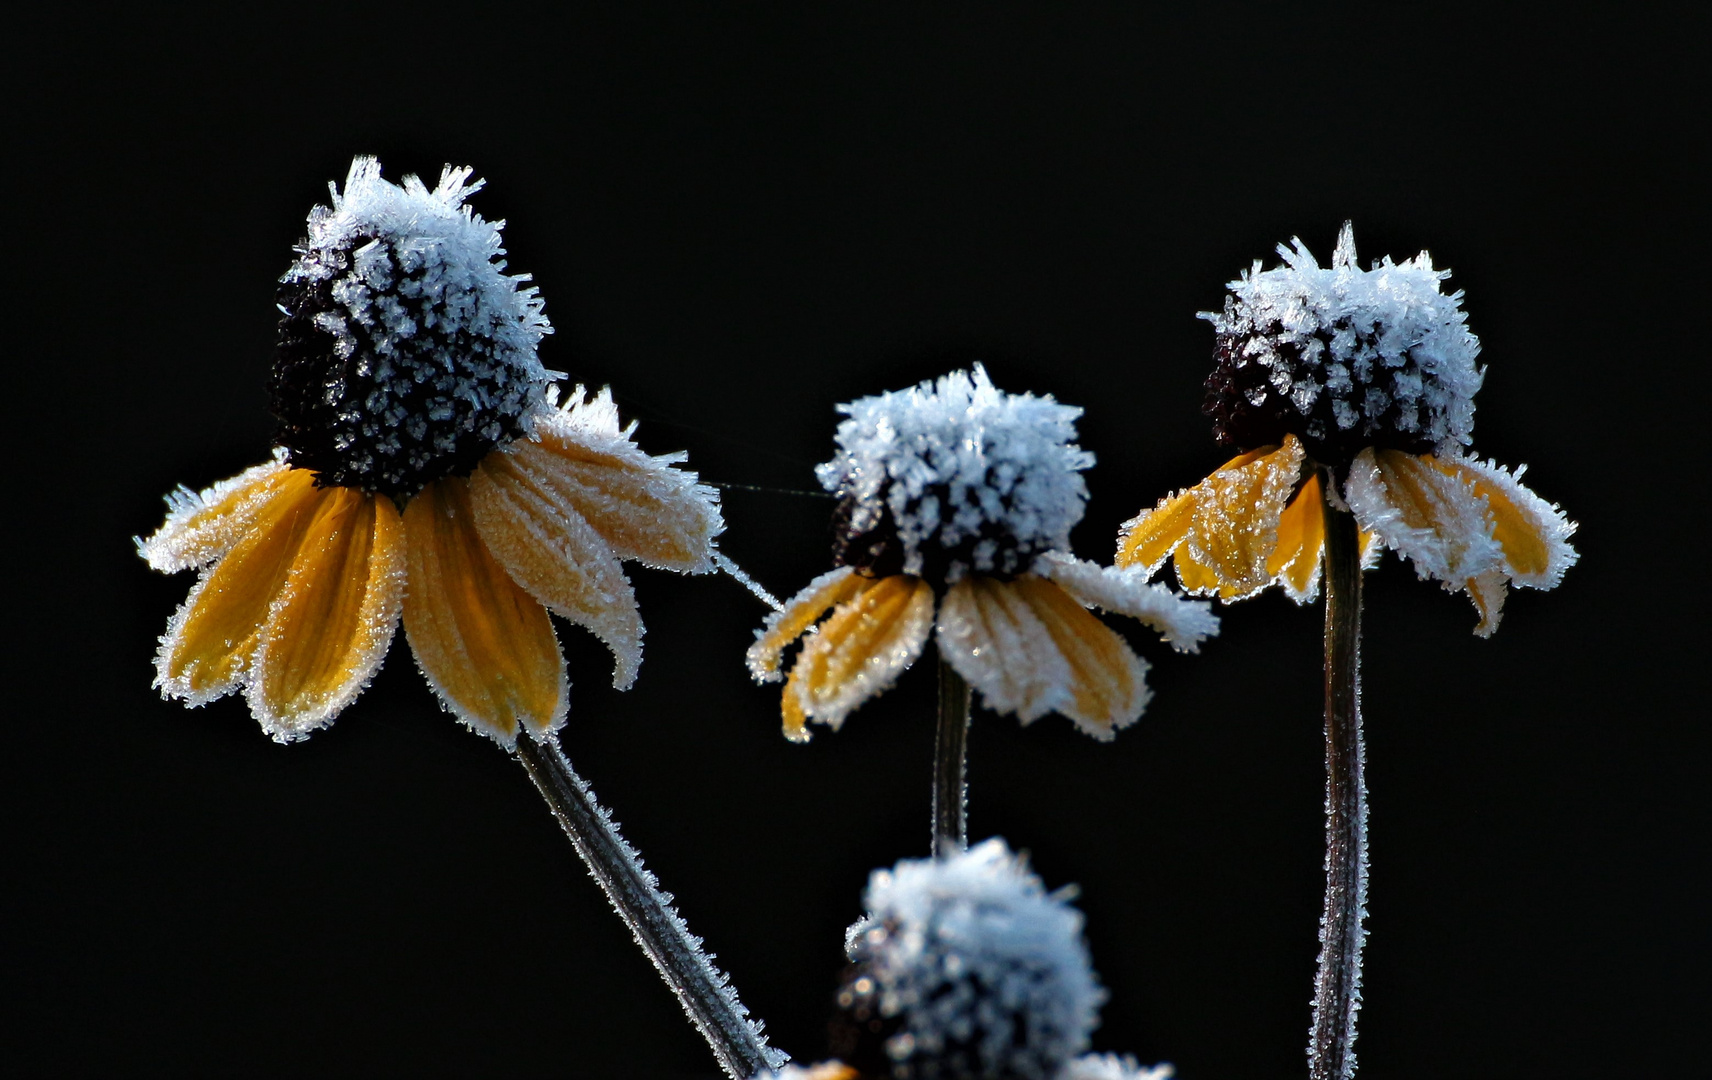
1184	624
1343	358
1533	533
955	476
1433	518
405	353
1113	1067
992	639
980	971
861	650
202	526
797	617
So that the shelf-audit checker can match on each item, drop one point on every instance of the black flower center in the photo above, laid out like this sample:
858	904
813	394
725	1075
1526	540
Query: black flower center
1332	389
386	376
880	549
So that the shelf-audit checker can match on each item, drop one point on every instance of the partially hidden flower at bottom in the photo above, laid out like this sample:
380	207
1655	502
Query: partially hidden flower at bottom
956	504
1365	378
424	473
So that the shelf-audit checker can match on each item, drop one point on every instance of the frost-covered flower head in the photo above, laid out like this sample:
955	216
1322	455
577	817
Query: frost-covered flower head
426	474
955	476
1353	389
957	504
1343	358
405	353
971	968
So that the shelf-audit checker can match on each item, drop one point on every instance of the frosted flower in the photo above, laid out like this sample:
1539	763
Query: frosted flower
956	504
425	472
966	966
1366	378
1113	1067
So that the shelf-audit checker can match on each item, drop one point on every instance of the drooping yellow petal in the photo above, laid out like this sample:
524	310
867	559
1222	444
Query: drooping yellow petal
799	613
1235	524
1149	538
208	645
547	548
1429	515
1534	534
1126	591
643	506
202	526
1295	562
1193	575
330	626
486	646
989	634
1487	591
862	649
1108	688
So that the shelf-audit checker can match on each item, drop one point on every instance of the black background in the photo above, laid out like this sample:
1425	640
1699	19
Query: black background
740	215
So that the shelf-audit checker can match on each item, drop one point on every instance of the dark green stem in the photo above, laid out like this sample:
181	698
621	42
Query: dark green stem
951	765
1337	984
702	989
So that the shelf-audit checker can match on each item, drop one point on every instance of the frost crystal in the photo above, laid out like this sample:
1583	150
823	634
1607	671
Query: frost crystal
1343	358
405	353
972	970
955	476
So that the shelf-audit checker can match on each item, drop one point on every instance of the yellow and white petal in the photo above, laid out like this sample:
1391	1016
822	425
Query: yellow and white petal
1487	591
1126	591
1234	528
1433	517
1295	561
861	650
557	557
1149	538
328	629
799	613
992	638
1534	534
644	507
211	640
202	526
484	644
1108	688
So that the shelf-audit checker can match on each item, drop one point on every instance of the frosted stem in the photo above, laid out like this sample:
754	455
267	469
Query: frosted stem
703	990
951	765
1337	984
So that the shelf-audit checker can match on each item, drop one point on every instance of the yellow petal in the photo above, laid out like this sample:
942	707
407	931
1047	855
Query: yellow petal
1107	680
1148	539
795	721
1487	592
801	612
209	643
989	634
1534	534
1295	562
862	649
202	526
330	626
642	505
1235	524
486	646
546	546
1430	515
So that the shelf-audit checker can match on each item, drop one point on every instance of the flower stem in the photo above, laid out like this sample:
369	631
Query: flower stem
951	765
703	990
1337	984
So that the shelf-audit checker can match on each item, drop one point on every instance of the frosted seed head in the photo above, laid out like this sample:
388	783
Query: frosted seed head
405	353
953	477
1343	358
966	967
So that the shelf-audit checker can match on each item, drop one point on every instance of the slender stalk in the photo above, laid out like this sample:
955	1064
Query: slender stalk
1337	984
703	990
951	765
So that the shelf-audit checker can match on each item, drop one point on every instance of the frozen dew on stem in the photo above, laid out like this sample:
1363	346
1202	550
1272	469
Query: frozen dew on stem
956	501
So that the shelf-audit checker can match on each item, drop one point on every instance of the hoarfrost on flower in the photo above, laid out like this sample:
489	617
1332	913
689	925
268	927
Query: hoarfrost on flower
986	971
1113	1067
962	476
1343	357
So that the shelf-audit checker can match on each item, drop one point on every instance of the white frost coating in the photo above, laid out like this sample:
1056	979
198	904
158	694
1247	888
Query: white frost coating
978	959
191	538
956	460
726	564
1113	1067
1549	523
1184	624
1454	546
1003	650
804	609
1336	330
